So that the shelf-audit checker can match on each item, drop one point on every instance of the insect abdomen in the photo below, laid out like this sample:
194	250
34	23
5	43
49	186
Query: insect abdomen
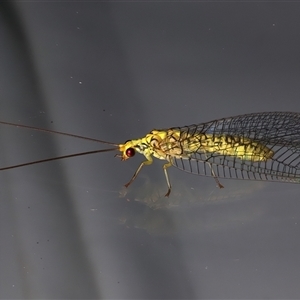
182	144
242	148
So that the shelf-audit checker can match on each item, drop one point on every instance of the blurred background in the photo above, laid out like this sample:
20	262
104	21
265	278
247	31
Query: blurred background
114	71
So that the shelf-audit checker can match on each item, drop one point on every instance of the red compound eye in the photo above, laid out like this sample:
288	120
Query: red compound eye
130	152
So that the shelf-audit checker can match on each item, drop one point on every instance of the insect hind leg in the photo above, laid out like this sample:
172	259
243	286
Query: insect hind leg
219	185
217	180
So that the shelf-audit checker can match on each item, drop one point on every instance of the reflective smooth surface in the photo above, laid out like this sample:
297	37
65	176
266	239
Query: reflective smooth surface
115	71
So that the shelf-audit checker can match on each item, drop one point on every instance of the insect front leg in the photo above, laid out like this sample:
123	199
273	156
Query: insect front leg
165	166
144	163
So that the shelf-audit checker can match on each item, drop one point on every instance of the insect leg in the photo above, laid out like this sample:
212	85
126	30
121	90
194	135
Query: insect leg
216	178
214	175
144	163
165	166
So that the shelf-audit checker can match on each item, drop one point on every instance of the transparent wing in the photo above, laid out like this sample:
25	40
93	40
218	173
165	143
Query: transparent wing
278	131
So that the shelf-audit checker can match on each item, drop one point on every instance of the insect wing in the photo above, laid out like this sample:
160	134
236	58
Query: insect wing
275	136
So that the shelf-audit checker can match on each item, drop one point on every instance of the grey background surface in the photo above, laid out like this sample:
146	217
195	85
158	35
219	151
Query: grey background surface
114	71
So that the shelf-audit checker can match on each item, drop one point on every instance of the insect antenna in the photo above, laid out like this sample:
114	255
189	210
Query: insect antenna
57	132
58	157
55	158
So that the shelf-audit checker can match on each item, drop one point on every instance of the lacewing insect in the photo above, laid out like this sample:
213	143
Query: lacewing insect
257	146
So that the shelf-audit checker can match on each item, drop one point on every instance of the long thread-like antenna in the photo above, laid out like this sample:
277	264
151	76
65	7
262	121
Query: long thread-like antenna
56	132
55	158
